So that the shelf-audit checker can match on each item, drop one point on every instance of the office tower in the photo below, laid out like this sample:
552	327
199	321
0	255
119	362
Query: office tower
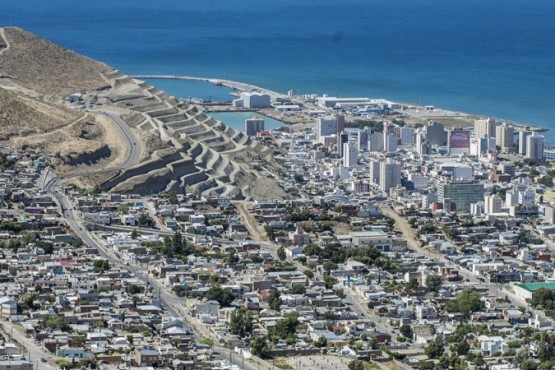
350	155
522	141
462	193
326	126
435	133
390	175
342	138
484	128
375	171
504	137
375	144
254	126
407	135
390	143
534	147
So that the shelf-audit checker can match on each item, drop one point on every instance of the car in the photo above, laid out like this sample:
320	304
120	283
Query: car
42	359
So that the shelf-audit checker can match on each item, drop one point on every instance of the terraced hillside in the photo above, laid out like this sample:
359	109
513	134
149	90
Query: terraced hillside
201	154
181	149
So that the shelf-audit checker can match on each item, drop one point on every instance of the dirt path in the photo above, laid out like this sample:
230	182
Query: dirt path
5	41
250	222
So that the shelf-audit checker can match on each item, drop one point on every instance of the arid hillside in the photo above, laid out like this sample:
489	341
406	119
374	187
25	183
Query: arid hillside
45	67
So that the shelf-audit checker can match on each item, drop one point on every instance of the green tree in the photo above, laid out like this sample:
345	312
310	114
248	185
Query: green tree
528	364
309	274
274	299
462	347
436	348
413	285
64	364
281	253
145	220
329	281
240	322
284	328
133	289
134	234
356	365
466	302
321	342
259	347
12	270
223	296
406	330
298	289
433	282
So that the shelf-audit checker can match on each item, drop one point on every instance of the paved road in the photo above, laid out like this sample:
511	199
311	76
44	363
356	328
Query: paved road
34	352
132	145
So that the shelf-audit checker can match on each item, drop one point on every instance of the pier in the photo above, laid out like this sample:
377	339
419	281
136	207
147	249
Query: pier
234	85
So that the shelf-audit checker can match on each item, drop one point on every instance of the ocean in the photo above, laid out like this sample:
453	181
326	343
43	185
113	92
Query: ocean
494	57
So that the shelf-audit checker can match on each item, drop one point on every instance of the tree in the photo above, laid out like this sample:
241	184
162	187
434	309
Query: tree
298	289
528	364
309	274
321	342
274	299
413	285
223	296
329	281
281	253
12	270
433	282
134	234
64	364
406	330
145	220
356	365
436	348
240	322
133	289
284	328
101	265
466	302
259	347
462	347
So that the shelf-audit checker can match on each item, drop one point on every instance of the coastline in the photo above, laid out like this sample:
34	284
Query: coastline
241	86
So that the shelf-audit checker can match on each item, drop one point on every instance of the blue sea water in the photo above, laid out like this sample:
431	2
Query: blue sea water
186	89
494	57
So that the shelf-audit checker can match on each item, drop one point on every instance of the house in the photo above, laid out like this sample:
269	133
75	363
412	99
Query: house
8	307
146	357
491	345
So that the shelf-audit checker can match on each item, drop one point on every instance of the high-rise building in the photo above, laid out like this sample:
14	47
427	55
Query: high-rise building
504	137
522	141
254	126
375	144
422	146
340	123
484	128
493	204
407	135
435	133
326	126
350	155
390	175
534	147
362	139
375	171
462	193
389	143
342	139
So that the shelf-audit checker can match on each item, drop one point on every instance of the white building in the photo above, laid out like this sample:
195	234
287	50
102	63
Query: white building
390	175
534	147
504	137
484	128
350	155
419	181
389	143
493	204
522	141
255	100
